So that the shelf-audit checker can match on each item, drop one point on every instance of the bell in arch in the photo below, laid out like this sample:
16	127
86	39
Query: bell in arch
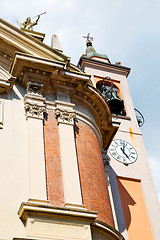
110	92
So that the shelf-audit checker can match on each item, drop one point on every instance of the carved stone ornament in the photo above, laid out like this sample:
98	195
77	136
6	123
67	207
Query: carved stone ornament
64	116
33	110
34	88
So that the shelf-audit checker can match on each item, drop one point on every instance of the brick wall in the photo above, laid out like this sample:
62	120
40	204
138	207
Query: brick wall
92	173
53	161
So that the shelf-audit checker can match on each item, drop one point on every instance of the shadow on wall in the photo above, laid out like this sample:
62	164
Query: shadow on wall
117	190
127	201
76	128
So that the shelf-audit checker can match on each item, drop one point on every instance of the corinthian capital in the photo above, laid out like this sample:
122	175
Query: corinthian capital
64	116
34	110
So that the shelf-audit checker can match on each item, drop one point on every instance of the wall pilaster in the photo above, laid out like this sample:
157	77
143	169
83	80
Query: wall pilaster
34	105
65	118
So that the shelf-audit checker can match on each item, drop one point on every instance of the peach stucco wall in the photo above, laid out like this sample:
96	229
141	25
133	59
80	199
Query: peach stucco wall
134	209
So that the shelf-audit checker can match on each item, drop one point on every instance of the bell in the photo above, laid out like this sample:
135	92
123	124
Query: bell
116	103
111	95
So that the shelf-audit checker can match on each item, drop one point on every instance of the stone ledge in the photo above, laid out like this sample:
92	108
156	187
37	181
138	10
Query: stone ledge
42	221
29	208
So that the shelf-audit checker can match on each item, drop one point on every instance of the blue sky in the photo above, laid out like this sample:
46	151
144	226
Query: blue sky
126	31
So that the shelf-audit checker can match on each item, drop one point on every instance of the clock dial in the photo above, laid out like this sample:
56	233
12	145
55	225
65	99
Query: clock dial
123	151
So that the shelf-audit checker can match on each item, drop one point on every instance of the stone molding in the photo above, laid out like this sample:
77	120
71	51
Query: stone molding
38	215
35	207
45	221
6	80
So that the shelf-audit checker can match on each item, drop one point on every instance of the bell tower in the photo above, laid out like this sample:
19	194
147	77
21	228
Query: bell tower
132	193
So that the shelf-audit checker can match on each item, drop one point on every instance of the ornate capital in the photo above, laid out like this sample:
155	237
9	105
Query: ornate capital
64	116
34	110
34	102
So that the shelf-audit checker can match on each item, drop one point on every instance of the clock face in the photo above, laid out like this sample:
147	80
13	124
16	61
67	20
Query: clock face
123	151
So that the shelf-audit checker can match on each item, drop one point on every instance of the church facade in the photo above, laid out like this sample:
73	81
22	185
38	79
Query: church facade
73	164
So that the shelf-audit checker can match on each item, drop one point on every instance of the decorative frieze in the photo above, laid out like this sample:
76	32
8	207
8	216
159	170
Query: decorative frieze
64	116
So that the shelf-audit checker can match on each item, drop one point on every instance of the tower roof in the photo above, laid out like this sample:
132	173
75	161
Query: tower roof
91	52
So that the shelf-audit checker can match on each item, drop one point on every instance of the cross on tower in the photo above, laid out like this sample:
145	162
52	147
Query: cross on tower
88	38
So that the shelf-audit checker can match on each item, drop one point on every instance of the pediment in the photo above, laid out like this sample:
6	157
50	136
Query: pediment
14	40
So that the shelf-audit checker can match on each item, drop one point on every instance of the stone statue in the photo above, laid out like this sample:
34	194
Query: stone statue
28	24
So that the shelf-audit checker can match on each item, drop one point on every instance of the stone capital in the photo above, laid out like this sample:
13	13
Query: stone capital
34	102
34	110
65	112
65	116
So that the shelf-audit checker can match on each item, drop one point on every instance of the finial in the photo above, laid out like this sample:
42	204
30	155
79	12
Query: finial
27	24
88	40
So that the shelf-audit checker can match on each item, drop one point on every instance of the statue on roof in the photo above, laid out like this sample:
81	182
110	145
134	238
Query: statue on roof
28	24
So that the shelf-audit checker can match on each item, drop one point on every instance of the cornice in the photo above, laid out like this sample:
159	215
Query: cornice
28	208
28	44
113	67
54	74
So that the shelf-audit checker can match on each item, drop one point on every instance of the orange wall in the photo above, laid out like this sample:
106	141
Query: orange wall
134	209
53	161
92	174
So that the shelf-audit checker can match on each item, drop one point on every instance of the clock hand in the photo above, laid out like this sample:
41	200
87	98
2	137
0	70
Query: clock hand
123	146
124	153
